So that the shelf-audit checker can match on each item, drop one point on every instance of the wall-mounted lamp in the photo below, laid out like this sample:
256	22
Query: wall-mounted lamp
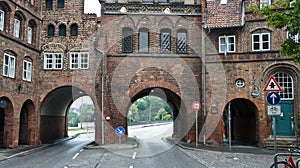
3	104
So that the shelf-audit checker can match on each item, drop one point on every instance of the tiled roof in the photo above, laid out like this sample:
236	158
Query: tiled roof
224	16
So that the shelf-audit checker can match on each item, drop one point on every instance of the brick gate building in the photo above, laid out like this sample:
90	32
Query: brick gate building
216	52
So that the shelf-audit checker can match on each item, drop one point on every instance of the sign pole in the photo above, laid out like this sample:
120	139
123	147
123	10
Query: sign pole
229	126
274	134
196	111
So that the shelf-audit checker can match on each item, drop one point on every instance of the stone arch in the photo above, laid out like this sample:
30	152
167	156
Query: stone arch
54	118
166	23
7	10
28	119
244	121
126	21
144	22
6	118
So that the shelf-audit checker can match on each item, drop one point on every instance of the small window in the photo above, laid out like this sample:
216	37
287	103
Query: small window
29	35
79	60
223	2
165	40
181	41
62	30
227	44
49	4
60	3
17	26
127	40
74	30
260	41
144	40
2	16
264	2
9	63
27	70
51	30
53	61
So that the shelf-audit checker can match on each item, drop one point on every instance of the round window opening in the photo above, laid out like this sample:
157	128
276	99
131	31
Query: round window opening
240	83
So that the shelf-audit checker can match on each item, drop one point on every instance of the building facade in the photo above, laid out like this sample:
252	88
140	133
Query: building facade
216	52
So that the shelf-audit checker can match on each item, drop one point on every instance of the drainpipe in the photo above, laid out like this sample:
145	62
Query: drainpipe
102	89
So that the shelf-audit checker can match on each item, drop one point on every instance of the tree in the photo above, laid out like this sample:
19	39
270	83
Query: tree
73	119
86	113
133	114
162	114
284	14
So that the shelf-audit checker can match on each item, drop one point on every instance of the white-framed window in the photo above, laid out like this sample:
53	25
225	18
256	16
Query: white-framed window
9	63
296	37
53	61
79	60
227	44
17	26
286	83
261	41
27	70
264	2
2	16
29	35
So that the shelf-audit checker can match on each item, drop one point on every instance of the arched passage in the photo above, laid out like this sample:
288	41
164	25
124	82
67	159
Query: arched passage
27	118
243	121
174	102
54	121
6	118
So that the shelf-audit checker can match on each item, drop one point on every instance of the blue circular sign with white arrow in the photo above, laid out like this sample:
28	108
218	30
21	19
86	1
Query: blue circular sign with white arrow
120	130
273	98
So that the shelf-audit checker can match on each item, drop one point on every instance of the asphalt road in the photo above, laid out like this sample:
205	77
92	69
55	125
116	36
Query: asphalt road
152	152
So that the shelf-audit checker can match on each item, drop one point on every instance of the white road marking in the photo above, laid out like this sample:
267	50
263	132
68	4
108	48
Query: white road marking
81	150
134	155
130	166
75	156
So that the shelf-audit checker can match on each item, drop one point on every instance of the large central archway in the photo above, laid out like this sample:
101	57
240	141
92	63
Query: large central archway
243	120
174	101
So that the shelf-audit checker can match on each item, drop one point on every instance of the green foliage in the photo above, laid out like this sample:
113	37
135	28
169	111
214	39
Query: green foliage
147	109
162	114
86	113
73	119
133	114
284	14
298	127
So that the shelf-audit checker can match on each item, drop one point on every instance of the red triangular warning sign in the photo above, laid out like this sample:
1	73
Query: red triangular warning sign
272	86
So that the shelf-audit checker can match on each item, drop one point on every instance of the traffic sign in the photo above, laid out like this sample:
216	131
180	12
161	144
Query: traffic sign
273	98
274	110
120	130
272	86
196	105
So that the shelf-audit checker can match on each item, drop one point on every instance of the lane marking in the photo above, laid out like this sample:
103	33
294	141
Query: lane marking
134	155
81	150
75	156
130	166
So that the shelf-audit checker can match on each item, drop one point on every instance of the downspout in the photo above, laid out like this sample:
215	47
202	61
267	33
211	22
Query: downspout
102	89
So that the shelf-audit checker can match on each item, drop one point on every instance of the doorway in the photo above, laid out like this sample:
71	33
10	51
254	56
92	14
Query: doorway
241	113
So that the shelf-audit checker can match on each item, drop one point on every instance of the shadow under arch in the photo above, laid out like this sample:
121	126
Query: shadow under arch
6	118
53	114
244	121
27	122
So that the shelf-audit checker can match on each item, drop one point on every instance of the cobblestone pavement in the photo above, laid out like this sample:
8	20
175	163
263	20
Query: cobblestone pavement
230	160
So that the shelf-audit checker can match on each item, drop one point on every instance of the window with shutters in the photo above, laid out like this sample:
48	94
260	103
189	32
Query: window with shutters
165	40
127	40
181	41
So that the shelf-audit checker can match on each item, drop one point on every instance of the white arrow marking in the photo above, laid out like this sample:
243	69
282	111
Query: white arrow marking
273	97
